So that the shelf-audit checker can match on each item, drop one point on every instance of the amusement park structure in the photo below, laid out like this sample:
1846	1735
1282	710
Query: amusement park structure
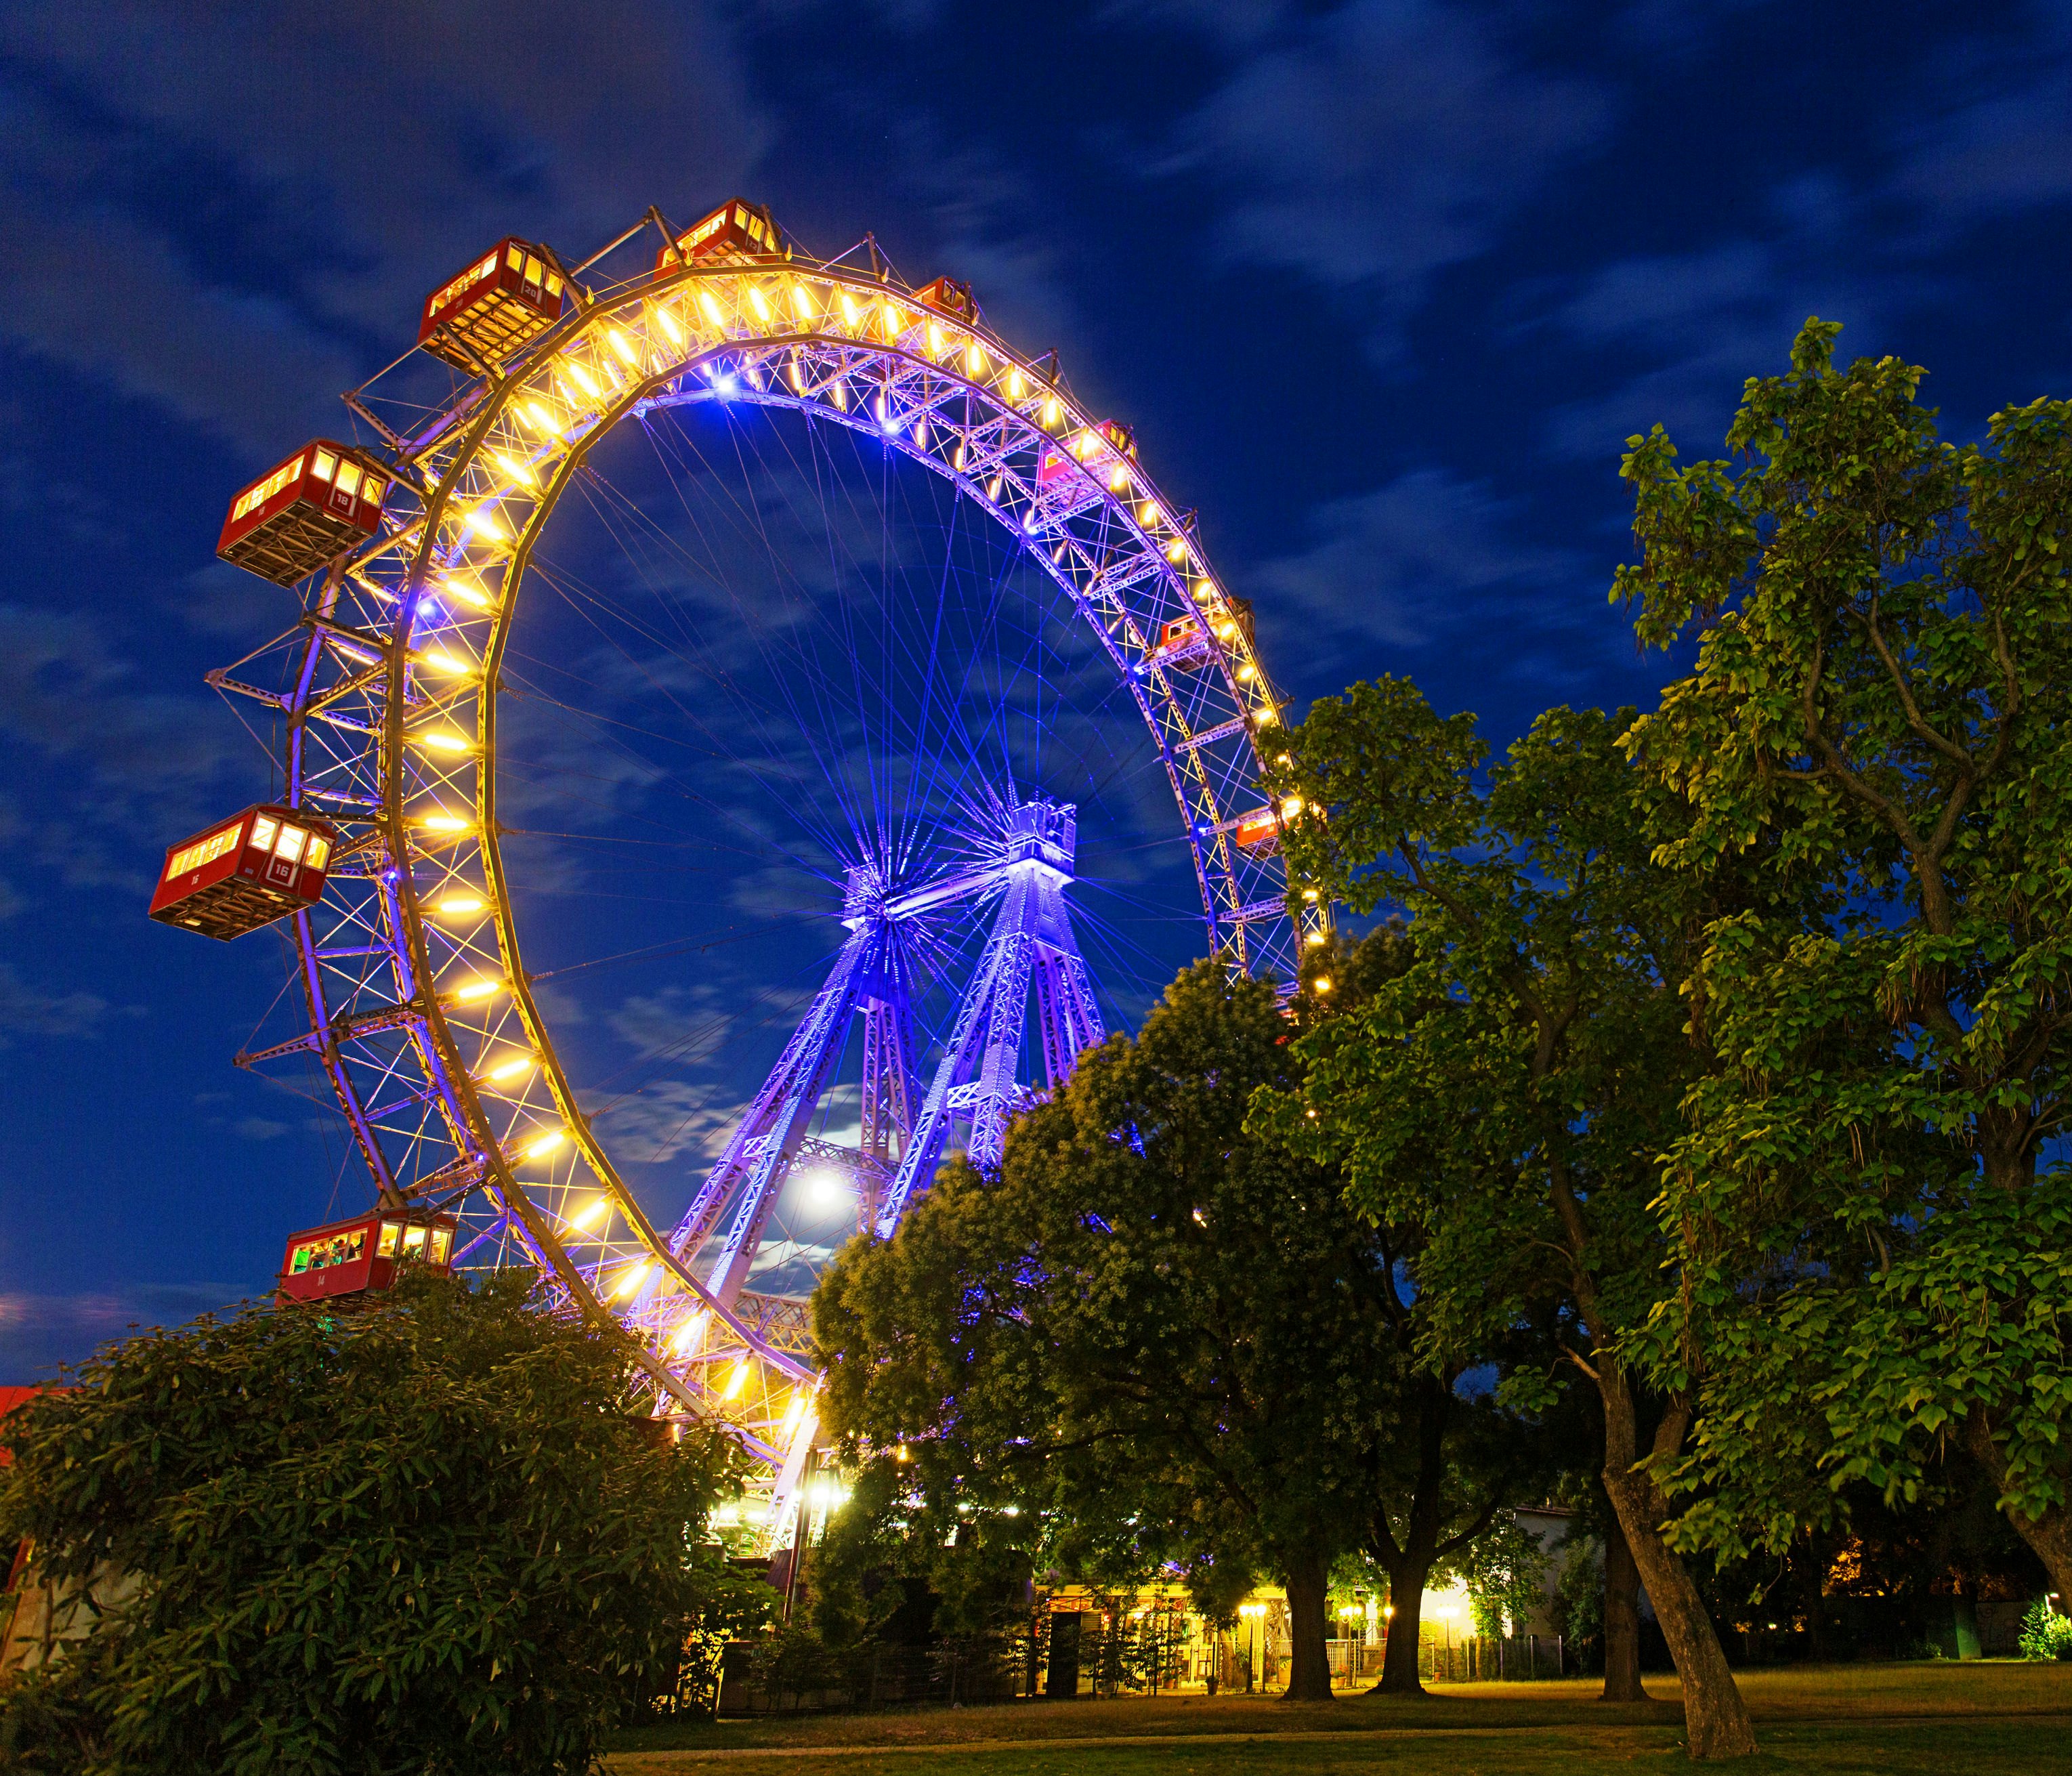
411	551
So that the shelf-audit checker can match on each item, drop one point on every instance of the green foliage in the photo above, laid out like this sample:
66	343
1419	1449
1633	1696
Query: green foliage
1153	1337
1867	1255
2044	1633
1579	1591
1506	1092
435	1535
1504	1570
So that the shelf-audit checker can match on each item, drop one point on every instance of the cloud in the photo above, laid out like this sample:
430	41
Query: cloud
1402	563
142	760
1996	135
38	1332
1380	144
354	155
25	1010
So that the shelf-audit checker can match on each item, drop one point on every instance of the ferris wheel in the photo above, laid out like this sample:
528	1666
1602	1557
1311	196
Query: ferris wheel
908	692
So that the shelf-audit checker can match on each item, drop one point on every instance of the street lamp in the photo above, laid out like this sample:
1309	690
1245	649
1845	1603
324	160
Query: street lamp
1255	1612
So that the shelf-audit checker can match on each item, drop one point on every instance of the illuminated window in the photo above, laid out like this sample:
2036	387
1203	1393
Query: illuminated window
349	477
319	851
414	1241
533	268
391	1232
263	830
289	847
324	465
253	498
372	491
554	283
515	256
442	1244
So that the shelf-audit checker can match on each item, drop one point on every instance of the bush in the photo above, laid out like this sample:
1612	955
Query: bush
2044	1633
439	1534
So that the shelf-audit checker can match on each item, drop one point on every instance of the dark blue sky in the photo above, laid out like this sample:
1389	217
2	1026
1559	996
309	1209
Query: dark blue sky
1383	287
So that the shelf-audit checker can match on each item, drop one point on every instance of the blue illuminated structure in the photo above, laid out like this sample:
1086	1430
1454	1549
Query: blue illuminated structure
411	983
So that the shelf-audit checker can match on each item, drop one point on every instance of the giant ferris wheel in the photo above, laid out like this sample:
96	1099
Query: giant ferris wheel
780	573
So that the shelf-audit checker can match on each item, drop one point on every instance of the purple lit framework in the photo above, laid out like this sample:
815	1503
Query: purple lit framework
419	1006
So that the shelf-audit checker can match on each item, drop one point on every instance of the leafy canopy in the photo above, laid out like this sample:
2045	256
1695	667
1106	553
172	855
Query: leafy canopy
435	1535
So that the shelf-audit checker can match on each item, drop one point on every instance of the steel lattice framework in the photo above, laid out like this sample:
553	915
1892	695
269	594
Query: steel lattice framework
418	1003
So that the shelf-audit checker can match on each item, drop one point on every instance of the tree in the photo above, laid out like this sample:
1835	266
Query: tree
1869	1206
436	1535
1509	1092
1163	1340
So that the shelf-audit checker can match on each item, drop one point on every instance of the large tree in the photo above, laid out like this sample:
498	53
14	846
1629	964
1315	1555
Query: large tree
436	1535
1165	1339
1870	1205
1508	1093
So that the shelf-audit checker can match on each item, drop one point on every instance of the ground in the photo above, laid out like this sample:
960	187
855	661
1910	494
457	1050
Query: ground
1982	1718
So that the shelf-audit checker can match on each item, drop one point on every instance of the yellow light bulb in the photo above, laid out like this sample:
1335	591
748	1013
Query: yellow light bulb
482	988
545	1145
594	1213
631	1279
1015	385
518	472
801	303
711	309
974	359
667	322
580	376
469	592
761	307
515	1068
627	355
459	907
737	1380
442	823
483	522
1291	808
540	417
850	312
441	661
441	740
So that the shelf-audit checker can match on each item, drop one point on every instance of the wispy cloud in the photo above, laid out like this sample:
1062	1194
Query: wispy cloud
38	1332
1374	146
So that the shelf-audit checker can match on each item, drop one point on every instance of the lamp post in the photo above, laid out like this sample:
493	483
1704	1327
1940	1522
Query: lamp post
1255	1613
1348	1613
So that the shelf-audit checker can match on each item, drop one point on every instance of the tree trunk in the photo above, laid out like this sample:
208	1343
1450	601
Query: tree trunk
1716	1720
1307	1580
2050	1535
1399	1655
1621	1619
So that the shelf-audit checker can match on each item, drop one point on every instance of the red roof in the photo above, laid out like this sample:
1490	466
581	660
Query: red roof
10	1398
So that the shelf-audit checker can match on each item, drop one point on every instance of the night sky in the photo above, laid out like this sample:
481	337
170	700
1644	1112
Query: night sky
1382	287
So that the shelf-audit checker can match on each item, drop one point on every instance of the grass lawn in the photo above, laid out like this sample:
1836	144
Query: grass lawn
1941	1720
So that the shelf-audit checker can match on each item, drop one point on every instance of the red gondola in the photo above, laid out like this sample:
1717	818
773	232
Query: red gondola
1258	833
1185	639
289	523
366	1253
245	871
948	296
508	296
1114	438
736	231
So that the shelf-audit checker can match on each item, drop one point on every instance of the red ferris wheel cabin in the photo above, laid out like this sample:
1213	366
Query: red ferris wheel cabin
484	313
368	1252
291	522
245	871
736	231
1111	437
1258	833
949	296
